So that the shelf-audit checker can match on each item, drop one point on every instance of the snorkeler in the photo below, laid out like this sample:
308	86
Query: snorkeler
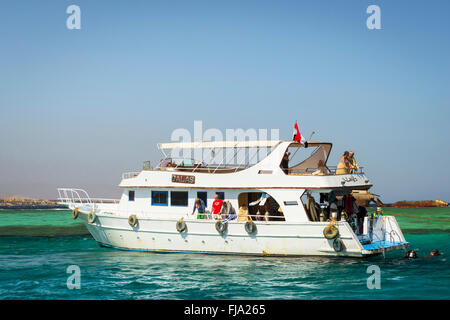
434	253
411	254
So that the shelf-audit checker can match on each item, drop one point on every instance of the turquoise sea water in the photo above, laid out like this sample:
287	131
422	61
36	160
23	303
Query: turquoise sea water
37	246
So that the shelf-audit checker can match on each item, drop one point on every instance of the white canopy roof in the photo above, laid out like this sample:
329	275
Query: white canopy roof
219	144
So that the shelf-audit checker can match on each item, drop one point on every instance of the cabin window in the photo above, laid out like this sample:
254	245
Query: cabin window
204	196
130	195
159	198
179	198
221	195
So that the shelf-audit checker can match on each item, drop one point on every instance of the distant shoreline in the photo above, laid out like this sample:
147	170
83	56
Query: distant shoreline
26	203
34	207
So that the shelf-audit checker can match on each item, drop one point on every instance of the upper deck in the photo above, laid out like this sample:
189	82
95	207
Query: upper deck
255	169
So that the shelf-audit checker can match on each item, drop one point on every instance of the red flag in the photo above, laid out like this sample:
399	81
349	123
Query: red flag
297	136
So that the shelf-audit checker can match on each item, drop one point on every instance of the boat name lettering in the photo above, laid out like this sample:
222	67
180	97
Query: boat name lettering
350	179
183	179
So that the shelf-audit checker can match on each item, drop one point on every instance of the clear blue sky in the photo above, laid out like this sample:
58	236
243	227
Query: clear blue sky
79	107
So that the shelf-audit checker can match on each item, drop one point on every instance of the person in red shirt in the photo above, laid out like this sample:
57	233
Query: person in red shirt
216	206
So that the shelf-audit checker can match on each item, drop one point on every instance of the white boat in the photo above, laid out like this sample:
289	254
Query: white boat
154	212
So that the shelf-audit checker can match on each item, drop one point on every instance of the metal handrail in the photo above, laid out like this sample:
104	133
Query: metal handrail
81	199
213	169
129	175
218	216
93	200
331	170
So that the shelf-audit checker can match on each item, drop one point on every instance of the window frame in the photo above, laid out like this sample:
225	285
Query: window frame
160	204
134	195
205	200
179	205
219	193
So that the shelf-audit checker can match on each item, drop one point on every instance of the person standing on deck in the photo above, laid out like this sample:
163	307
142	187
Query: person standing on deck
216	206
352	162
344	164
285	162
199	205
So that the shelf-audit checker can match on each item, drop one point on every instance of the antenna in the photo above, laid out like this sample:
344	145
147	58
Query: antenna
312	133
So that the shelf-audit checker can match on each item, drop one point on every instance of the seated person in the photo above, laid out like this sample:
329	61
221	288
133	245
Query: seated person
243	213
227	212
199	205
166	162
216	207
321	169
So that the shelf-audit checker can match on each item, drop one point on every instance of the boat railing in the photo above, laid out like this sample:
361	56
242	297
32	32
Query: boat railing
249	217
326	171
93	201
206	168
72	197
189	216
129	175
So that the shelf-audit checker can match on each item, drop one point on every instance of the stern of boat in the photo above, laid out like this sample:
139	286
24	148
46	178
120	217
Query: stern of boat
381	235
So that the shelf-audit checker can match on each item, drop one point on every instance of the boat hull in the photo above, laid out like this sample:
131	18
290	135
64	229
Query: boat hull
270	239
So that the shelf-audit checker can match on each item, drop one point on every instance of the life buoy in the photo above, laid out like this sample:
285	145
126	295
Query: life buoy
221	227
132	220
250	227
338	245
92	217
181	226
75	213
330	232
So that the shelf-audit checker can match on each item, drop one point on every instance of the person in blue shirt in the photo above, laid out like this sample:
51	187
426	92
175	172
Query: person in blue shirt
199	205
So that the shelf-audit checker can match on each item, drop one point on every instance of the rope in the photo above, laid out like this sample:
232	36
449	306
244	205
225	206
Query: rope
426	218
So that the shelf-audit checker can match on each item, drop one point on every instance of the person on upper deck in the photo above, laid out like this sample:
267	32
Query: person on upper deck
216	206
321	169
285	162
199	205
353	165
344	164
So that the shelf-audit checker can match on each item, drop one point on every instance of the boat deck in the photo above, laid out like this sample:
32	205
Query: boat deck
384	245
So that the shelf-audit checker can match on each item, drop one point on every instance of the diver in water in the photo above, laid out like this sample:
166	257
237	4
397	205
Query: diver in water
411	254
434	253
